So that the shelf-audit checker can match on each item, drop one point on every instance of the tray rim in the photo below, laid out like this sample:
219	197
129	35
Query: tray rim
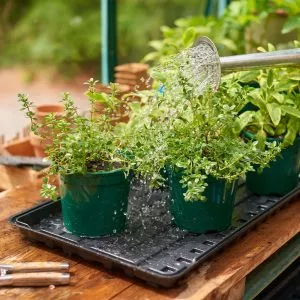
148	275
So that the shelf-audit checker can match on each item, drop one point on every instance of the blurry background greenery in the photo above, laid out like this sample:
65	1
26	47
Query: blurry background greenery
66	34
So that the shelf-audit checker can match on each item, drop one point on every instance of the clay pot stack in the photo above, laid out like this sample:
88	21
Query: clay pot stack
135	75
121	115
41	112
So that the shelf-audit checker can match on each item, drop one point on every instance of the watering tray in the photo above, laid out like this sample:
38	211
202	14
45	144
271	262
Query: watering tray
151	248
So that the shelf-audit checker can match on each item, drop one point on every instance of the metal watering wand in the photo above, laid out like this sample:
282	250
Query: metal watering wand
202	66
244	62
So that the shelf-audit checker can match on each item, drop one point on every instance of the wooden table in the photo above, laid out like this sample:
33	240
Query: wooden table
222	277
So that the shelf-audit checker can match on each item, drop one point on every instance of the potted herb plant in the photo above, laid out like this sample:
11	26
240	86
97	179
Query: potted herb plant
86	154
191	136
277	119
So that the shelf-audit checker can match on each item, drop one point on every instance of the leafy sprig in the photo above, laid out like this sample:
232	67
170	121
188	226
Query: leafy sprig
278	101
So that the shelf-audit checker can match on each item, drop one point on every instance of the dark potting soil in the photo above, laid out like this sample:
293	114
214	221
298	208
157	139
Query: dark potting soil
96	166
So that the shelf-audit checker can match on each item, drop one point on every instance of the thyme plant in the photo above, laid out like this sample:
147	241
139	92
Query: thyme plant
76	144
192	134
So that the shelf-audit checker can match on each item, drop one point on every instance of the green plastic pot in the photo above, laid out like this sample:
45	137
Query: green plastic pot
282	175
95	204
214	214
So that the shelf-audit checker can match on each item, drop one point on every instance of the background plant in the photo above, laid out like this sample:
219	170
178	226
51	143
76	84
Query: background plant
278	100
228	31
67	34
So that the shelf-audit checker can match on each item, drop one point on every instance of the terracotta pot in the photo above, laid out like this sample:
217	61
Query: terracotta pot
38	145
135	68
45	109
122	114
21	147
133	74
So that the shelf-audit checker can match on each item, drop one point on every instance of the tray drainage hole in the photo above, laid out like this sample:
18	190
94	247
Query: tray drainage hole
167	269
195	250
208	243
183	259
262	207
269	202
252	214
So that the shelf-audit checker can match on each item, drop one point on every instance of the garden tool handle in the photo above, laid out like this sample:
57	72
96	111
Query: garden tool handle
280	58
35	279
27	267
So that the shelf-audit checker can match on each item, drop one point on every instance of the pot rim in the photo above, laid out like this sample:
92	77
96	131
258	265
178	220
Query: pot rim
90	174
251	135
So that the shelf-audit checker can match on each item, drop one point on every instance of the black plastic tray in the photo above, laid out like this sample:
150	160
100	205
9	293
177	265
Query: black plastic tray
24	161
151	248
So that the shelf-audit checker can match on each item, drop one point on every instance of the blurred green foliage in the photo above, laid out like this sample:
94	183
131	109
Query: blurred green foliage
242	27
66	34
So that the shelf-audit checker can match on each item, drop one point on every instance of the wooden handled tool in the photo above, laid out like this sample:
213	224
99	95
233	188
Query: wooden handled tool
35	279
33	267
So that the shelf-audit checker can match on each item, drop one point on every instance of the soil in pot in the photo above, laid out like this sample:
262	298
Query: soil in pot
213	214
282	175
95	204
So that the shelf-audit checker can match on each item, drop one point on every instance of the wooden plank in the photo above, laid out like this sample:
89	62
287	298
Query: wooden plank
19	198
13	176
83	278
216	277
236	292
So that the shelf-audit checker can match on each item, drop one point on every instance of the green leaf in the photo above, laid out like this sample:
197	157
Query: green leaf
295	77
270	78
271	47
160	76
230	44
274	112
135	107
151	56
280	130
292	131
279	97
292	23
291	111
242	121
156	44
188	37
269	130
261	49
261	138
257	100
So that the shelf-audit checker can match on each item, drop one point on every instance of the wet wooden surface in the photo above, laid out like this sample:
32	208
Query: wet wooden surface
222	277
